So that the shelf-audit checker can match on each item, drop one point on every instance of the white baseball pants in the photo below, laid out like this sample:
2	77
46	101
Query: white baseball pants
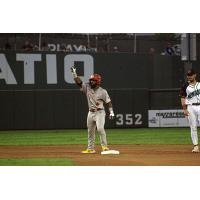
194	119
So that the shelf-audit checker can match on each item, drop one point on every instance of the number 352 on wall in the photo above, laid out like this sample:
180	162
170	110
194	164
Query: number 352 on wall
128	119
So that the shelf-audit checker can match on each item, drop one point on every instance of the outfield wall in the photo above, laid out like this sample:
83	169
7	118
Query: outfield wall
37	90
62	109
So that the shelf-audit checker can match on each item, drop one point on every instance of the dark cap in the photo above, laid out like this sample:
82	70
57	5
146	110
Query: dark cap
190	72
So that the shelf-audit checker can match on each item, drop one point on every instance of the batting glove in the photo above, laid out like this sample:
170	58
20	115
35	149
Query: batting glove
73	70
112	115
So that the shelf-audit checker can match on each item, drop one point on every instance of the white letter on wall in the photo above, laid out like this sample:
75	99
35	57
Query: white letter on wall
51	69
5	71
29	70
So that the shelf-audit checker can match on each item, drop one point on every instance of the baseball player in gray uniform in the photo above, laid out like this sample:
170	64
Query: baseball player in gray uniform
190	100
96	97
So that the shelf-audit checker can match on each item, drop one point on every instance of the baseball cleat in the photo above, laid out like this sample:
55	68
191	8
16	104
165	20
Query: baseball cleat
88	151
105	148
195	149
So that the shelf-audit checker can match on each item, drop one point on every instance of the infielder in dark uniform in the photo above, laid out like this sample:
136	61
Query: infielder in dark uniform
96	97
190	100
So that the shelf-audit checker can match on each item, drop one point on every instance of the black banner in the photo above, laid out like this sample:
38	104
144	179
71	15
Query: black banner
25	70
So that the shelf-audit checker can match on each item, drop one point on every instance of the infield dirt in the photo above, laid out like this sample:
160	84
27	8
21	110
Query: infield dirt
130	155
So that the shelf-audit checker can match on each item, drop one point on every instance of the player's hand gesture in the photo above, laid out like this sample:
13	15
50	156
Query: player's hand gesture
73	70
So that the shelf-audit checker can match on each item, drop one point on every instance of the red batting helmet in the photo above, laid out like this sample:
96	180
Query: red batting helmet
96	77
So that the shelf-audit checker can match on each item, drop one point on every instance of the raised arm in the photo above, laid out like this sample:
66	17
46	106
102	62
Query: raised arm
77	79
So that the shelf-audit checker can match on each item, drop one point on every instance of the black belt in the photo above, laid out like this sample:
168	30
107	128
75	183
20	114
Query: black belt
95	110
196	104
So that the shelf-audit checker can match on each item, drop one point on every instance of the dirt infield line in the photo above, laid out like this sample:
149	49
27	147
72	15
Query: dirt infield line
130	155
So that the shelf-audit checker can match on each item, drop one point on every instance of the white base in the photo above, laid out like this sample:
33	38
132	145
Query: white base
110	152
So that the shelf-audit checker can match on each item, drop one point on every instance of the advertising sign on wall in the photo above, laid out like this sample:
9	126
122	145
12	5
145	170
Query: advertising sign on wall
167	118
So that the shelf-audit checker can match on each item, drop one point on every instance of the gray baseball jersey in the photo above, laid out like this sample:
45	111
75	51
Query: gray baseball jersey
95	98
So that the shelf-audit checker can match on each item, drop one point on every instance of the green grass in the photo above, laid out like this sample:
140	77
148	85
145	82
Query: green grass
114	136
36	162
63	137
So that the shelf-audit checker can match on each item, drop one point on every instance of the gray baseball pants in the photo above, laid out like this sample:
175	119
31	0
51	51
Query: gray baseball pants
96	120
